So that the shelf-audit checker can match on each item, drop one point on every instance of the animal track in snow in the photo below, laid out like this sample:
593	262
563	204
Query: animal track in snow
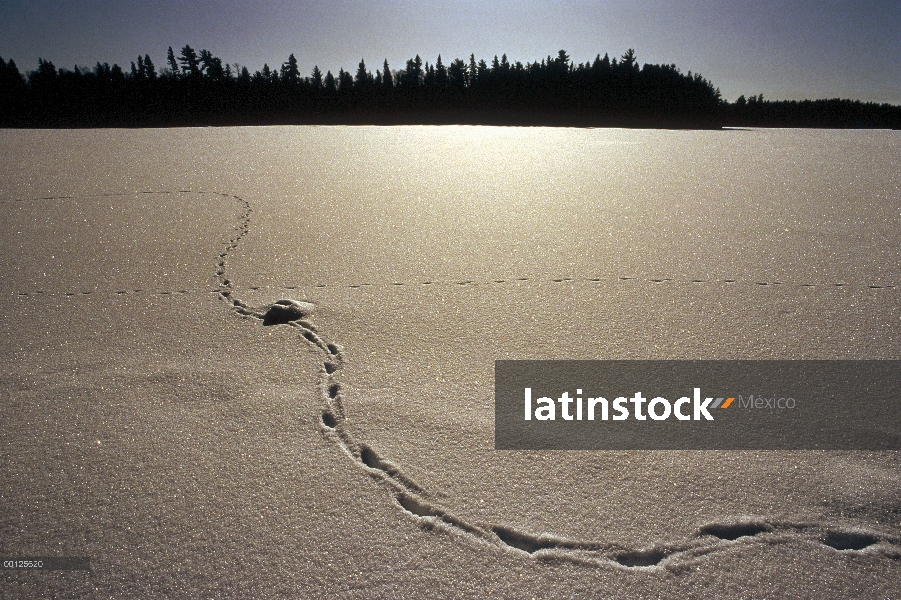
414	501
222	265
733	531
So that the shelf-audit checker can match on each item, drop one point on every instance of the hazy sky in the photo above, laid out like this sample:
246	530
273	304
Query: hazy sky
781	48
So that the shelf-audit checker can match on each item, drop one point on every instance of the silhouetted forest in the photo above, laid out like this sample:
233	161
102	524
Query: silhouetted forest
197	88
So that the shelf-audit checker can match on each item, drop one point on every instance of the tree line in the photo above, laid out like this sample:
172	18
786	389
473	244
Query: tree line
194	88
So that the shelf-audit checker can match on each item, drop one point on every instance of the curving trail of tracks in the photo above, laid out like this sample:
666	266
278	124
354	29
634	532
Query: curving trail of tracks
417	502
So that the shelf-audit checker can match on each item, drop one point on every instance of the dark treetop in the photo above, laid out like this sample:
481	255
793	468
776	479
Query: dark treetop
198	89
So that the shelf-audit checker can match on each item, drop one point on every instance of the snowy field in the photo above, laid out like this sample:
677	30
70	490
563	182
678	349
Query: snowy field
156	417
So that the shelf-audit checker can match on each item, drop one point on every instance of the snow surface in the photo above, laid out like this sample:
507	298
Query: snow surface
165	415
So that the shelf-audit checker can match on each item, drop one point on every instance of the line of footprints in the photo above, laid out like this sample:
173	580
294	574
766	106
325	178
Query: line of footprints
468	282
416	502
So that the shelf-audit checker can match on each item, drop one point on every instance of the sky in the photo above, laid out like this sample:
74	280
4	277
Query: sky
785	50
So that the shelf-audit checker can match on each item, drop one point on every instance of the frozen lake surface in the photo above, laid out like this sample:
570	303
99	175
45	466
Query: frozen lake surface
192	452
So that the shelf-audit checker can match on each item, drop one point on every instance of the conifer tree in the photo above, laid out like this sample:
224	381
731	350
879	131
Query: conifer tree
170	58
440	74
345	82
316	78
149	68
363	77
387	79
290	74
190	64
456	74
211	65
